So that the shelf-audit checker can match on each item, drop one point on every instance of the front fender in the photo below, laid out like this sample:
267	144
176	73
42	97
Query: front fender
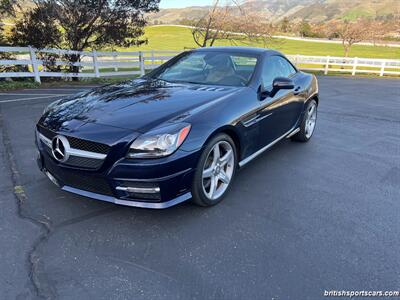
225	117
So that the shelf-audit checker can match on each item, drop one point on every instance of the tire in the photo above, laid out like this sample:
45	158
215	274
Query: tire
226	164
306	129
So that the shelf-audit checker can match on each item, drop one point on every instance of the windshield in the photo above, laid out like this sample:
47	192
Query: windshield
214	68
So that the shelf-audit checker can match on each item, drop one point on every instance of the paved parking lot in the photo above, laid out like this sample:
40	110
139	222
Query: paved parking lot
301	219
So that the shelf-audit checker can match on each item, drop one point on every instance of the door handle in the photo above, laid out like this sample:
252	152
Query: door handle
297	90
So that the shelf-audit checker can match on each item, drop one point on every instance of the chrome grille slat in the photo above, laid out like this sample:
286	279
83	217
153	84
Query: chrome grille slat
78	156
77	143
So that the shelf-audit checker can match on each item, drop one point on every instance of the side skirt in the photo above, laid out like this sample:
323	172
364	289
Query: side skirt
288	134
293	133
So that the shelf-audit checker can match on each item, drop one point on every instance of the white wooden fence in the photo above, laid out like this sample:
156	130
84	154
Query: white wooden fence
106	64
351	65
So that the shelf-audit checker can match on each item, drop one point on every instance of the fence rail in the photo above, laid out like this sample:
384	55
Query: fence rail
106	64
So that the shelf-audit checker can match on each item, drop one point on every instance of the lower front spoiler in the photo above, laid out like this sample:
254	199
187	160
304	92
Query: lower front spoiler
133	203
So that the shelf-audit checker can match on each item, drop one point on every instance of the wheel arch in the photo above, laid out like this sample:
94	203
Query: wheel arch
314	97
233	133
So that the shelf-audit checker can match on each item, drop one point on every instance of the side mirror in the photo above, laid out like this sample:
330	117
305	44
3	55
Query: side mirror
279	83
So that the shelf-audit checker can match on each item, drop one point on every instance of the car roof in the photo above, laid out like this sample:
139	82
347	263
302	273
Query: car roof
246	50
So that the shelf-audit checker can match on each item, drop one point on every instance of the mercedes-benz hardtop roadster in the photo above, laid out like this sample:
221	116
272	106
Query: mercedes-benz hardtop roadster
181	131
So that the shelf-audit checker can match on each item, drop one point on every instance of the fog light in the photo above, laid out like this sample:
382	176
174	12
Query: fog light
140	190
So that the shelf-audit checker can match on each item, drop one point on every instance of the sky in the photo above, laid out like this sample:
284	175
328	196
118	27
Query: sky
184	3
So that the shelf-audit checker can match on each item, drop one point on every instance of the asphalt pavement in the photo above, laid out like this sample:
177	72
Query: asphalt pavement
299	220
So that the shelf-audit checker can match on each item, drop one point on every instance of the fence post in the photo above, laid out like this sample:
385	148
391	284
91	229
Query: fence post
95	64
114	54
141	63
327	65
382	68
152	57
354	66
34	64
296	60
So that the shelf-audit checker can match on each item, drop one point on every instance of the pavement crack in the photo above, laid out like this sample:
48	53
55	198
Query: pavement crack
39	285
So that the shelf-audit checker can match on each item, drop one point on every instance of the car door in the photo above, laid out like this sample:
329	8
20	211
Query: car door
278	114
291	109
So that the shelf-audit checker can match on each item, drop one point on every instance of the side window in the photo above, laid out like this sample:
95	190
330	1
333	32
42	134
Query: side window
243	62
244	66
269	72
276	66
286	68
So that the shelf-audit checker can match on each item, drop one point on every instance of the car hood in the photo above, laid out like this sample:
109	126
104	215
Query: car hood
136	105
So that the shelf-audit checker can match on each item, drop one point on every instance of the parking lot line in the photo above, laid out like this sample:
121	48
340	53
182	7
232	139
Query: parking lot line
32	98
38	94
63	89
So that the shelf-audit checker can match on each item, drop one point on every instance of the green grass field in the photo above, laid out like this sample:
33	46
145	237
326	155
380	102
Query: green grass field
179	38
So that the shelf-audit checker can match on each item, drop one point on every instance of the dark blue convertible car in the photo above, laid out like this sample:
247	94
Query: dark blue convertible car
179	132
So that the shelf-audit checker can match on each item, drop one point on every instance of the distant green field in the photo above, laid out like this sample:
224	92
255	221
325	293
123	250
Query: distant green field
178	38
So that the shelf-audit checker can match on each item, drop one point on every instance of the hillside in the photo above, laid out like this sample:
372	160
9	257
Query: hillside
334	9
180	38
275	10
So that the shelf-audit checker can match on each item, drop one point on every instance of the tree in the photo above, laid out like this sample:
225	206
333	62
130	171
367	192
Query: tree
395	24
350	32
2	39
211	26
38	28
377	29
251	27
305	29
285	25
83	24
230	22
8	7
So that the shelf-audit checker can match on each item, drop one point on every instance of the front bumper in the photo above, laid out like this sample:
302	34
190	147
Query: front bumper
134	203
170	177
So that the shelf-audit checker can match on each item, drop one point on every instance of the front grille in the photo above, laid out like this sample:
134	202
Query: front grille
77	143
80	162
88	145
84	162
83	182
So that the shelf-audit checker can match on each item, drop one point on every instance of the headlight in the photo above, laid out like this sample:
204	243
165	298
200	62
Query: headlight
160	142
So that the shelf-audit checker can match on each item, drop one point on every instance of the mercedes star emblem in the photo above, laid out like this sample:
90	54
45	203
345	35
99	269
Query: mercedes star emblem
59	148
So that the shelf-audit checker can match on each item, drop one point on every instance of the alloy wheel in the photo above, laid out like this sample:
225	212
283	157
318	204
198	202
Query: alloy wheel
218	170
311	120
